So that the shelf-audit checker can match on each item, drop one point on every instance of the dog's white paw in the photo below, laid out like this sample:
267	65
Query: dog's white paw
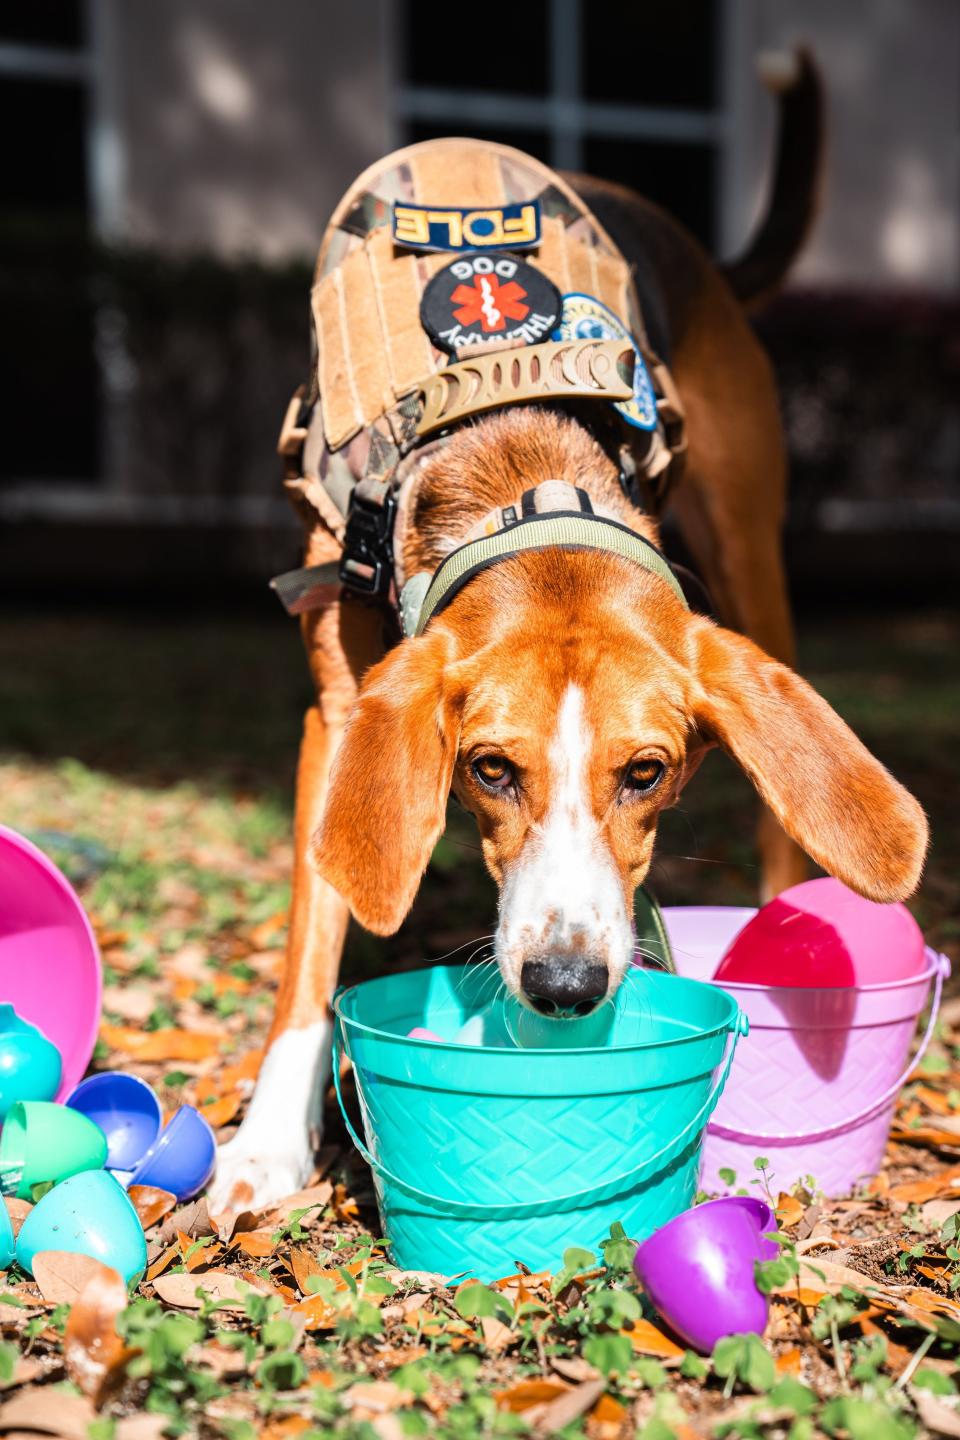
271	1155
252	1176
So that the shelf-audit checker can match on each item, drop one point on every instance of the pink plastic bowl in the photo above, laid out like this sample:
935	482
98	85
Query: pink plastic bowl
49	961
822	934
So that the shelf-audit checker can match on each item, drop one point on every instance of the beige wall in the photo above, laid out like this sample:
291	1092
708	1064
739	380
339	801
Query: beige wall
891	203
241	122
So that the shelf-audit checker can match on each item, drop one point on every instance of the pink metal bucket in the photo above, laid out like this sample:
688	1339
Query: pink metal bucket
814	1091
49	961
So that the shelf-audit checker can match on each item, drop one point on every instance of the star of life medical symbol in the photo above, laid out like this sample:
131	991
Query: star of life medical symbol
480	299
490	302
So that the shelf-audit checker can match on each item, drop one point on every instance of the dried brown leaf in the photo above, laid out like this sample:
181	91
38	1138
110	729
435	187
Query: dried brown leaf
929	1303
788	1362
319	1315
220	1112
646	1339
302	1264
255	1243
52	1412
18	1210
141	1427
284	1427
245	1069
318	1195
27	1368
130	1002
224	1360
940	1417
151	1203
608	1411
192	1219
376	1397
266	931
61	1276
162	1262
219	1285
95	1355
936	1211
567	1408
196	1256
575	1368
496	1335
819	1273
526	1393
932	1187
429	1279
789	1210
161	1044
944	1134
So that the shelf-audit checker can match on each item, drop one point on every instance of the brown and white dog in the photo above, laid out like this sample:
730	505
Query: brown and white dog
566	697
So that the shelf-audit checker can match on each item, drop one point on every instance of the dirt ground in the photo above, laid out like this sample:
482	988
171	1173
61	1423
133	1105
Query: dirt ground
153	757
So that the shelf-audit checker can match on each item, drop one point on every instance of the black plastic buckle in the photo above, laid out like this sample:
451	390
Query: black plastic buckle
366	565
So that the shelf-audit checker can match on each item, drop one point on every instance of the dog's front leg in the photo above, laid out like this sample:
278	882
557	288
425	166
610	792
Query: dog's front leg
272	1153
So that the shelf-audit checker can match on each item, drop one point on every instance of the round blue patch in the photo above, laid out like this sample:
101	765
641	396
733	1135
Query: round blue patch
585	318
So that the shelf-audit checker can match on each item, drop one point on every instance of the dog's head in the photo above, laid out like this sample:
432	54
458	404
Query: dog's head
566	699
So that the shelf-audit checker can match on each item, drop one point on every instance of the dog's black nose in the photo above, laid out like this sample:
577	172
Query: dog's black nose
564	987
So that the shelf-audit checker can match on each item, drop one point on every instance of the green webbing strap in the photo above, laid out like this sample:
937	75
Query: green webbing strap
568	529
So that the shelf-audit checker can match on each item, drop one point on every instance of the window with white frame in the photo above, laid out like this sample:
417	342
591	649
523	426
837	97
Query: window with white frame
624	89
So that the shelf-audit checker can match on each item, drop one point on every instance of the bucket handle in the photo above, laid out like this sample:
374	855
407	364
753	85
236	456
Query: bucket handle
468	1210
875	1106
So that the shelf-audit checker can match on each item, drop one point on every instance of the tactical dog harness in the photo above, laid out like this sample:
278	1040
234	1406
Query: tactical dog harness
457	278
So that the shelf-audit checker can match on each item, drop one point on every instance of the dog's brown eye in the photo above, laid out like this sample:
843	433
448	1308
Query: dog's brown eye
643	775
493	771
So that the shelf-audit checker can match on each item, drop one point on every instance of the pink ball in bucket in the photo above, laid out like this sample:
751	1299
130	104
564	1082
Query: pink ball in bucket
820	934
49	961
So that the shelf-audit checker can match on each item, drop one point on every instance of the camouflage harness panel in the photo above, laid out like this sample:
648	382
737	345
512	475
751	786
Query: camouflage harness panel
387	377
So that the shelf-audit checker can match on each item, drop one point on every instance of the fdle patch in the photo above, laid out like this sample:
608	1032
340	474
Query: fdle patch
432	227
586	318
479	298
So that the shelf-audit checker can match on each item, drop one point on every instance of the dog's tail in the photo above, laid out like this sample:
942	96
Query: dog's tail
794	199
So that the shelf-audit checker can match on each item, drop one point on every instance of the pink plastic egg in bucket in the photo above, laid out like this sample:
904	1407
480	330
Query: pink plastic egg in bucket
815	1090
821	933
49	961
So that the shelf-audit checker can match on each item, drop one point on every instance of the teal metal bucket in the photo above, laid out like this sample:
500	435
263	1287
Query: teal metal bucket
484	1156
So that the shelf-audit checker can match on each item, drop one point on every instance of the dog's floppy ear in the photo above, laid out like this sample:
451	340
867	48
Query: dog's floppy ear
386	804
826	789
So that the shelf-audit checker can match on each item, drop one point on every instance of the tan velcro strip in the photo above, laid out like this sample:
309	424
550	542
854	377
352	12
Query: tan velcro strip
342	415
582	273
365	345
613	282
551	257
396	283
459	174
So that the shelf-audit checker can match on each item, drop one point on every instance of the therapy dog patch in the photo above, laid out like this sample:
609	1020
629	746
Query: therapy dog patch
482	298
432	227
585	318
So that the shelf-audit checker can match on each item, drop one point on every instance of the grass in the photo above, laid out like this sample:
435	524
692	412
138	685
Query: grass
153	757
